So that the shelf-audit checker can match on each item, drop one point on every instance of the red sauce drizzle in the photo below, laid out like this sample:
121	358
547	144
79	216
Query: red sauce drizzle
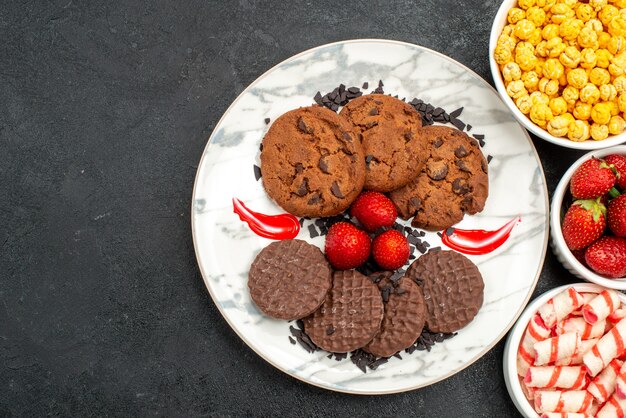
283	226
478	241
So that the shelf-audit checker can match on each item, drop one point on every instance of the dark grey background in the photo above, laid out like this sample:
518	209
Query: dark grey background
104	112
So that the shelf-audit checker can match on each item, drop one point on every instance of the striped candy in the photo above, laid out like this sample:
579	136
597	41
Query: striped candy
563	377
609	347
603	385
600	307
560	306
563	401
556	348
582	327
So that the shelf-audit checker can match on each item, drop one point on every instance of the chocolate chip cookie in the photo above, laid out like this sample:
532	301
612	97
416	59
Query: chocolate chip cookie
453	182
453	289
289	279
312	162
389	131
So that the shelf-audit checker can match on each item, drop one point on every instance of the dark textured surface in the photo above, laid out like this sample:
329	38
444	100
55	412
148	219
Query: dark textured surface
104	112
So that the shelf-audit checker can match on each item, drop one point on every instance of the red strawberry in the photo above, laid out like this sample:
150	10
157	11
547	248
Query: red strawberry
607	256
580	256
616	215
346	247
619	162
390	250
592	179
584	223
374	210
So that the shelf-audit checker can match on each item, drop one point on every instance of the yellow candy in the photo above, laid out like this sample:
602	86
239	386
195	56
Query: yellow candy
524	48
524	103
584	12
603	58
621	102
599	76
617	26
614	108
560	12
558	106
508	30
558	126
515	15
598	4
582	111
550	31
540	114
589	94
553	69
620	4
595	25
588	58
570	94
546	4
549	87
570	57
524	29
620	84
531	80
540	49
577	78
538	66
516	89
603	39
616	44
526	61
578	131
617	125
535	37
608	92
502	54
587	38
607	13
617	66
538	98
601	113
525	4
555	47
599	132
537	16
570	28
507	41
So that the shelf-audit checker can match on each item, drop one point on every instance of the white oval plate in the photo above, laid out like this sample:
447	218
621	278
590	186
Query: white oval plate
225	247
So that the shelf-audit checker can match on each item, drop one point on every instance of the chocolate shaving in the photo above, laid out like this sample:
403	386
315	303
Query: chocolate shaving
462	166
257	172
323	165
313	199
456	113
460	152
266	120
365	85
457	123
313	231
304	188
374	112
438	142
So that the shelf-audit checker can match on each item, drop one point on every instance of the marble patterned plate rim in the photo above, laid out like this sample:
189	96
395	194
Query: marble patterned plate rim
488	347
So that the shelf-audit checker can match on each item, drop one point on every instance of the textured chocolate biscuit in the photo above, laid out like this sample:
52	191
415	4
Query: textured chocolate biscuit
389	130
312	162
405	314
453	182
289	279
350	316
453	289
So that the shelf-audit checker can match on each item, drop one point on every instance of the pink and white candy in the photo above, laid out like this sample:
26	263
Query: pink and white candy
560	306
600	307
535	332
582	327
609	347
563	401
577	358
614	407
556	348
603	385
563	377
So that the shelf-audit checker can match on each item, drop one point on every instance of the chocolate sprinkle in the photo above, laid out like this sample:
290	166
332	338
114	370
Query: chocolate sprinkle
489	158
449	231
266	120
318	98
291	340
257	172
469	127
456	113
301	221
313	231
365	85
479	136
457	123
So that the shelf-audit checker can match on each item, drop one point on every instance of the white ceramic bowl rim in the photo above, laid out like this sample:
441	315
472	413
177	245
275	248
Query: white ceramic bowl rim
496	30
515	336
555	222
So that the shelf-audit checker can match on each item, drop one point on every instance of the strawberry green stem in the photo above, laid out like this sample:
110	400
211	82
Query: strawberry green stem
614	192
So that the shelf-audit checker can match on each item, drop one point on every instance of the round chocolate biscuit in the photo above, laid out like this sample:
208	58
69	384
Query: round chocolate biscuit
405	315
389	130
350	316
454	181
453	289
312	162
289	279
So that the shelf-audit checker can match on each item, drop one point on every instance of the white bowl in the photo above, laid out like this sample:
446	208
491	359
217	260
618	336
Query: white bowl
511	346
557	242
496	29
